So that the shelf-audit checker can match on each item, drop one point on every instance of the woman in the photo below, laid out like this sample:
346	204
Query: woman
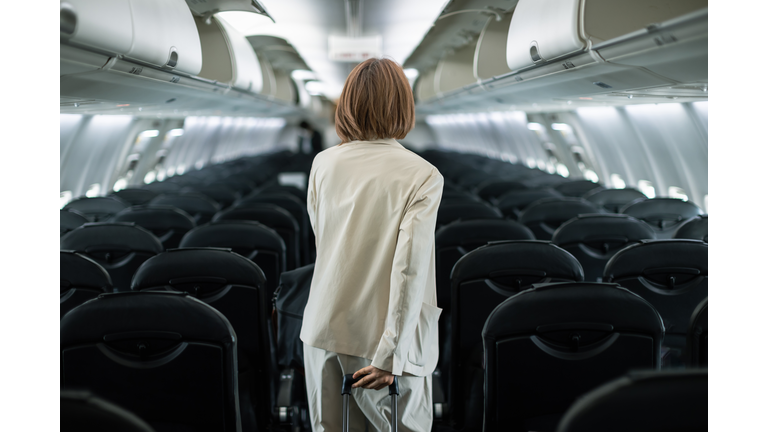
372	304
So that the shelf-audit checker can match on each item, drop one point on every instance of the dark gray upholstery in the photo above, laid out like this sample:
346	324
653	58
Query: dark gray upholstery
81	411
546	215
665	215
167	223
613	200
81	279
97	209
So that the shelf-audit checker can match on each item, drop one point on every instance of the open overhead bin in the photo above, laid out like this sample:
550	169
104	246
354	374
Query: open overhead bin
227	56
157	33
206	8
455	70
425	86
490	56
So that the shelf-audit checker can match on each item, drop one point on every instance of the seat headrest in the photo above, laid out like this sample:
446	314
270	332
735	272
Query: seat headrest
656	256
71	219
156	217
537	255
262	212
78	271
696	228
191	202
122	234
461	232
557	210
169	314
451	211
178	264
235	234
661	207
605	197
577	188
517	199
554	306
82	411
602	227
135	196
97	205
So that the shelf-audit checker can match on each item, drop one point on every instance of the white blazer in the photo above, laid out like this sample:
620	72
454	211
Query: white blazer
373	207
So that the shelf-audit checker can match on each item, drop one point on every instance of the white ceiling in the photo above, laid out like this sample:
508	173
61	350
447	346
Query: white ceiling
306	24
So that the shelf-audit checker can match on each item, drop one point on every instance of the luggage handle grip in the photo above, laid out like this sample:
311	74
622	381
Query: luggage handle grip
349	380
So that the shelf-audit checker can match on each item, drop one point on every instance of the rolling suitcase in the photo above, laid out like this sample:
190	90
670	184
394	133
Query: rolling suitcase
346	390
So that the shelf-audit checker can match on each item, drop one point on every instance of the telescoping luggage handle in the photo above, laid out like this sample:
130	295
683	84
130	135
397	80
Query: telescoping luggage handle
346	390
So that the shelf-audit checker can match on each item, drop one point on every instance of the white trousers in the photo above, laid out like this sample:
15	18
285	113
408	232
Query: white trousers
324	372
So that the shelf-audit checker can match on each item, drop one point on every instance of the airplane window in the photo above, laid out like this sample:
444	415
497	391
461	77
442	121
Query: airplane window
530	162
617	182
171	172
120	184
563	170
66	196
586	170
676	192
647	188
591	175
93	190
150	177
180	169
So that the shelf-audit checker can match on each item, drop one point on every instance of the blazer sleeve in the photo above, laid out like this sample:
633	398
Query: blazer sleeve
410	275
311	197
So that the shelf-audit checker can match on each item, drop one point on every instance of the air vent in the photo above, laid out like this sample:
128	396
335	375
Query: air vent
602	84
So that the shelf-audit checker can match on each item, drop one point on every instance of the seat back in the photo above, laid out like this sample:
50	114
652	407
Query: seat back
697	340
452	211
613	200
135	197
254	241
236	287
577	188
548	345
167	223
480	281
546	215
666	401
167	357
513	203
69	220
594	239
665	215
82	279
97	209
696	228
81	411
163	187
275	188
491	189
274	217
672	276
197	205
224	196
290	301
119	247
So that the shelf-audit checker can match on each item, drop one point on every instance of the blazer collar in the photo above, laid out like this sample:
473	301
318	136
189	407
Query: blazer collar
385	141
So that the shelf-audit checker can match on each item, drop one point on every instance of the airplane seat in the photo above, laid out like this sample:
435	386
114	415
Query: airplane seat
468	179
546	215
453	196
119	247
163	187
577	188
224	196
613	200
594	238
197	205
665	215
82	411
69	220
81	279
238	183
549	345
480	281
276	188
297	209
451	211
135	196
165	356
696	228
490	190
97	209
236	287
252	240
641	401
167	223
273	217
671	275
514	202
697	338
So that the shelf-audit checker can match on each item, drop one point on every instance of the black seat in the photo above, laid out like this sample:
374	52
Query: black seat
594	239
513	203
235	286
167	223
696	228
240	184
449	195
221	194
119	247
97	209
577	188
665	215
452	211
274	217
546	215
480	281
672	276
613	200
494	188
167	357
274	188
163	187
69	220
548	345
297	209
666	401
135	196
82	279
197	205
697	339
81	411
254	241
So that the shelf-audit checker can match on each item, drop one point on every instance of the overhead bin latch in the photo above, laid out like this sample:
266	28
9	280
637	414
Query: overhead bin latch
67	19
173	58
535	55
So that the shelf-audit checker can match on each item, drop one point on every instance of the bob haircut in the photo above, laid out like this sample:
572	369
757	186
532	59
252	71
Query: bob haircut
376	103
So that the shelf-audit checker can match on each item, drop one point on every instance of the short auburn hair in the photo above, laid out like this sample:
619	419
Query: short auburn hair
376	103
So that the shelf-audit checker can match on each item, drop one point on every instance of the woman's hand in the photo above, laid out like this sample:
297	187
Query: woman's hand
373	378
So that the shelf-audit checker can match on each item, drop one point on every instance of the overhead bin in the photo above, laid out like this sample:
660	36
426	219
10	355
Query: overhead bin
285	88
455	70
490	55
544	30
158	33
206	8
425	86
227	56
